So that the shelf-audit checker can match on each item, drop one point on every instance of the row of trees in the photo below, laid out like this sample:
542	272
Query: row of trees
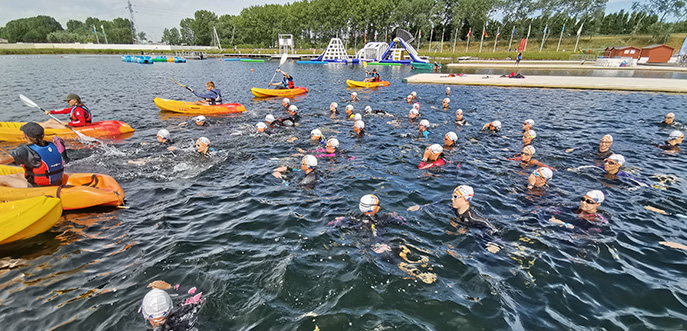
42	29
314	22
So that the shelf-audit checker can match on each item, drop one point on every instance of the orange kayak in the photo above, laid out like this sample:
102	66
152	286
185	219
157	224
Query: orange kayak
186	107
78	190
282	93
355	83
9	131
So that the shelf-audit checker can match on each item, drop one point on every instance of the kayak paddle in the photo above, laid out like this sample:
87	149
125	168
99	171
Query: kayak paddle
281	61
32	104
184	86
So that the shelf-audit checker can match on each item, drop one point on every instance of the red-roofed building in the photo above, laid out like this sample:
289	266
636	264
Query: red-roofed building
657	53
625	51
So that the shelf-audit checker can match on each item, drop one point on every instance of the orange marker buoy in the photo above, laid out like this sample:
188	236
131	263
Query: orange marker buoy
251	70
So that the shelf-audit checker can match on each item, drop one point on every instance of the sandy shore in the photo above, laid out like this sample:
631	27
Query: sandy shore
567	82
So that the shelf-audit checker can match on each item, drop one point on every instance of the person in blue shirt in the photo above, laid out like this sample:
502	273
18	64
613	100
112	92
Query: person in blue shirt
286	83
212	97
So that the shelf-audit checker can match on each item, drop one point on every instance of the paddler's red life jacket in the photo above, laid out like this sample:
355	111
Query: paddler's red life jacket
51	169
86	112
290	82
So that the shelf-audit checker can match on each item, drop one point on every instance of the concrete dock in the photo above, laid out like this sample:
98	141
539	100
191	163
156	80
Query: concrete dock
544	65
564	82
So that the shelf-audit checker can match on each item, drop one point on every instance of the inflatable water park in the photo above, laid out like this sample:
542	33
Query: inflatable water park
399	52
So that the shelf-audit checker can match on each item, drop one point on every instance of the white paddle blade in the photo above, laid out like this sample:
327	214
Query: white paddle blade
283	59
28	101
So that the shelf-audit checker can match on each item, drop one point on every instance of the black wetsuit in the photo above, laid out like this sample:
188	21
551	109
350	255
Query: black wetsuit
669	147
291	120
603	155
461	122
310	179
470	218
181	318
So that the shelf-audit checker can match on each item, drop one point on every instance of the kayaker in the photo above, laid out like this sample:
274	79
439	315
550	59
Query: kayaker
41	160
354	97
424	128
293	119
674	141
528	137
450	139
158	308
494	127
212	97
460	121
539	177
527	125
203	146
200	120
375	76
78	114
286	83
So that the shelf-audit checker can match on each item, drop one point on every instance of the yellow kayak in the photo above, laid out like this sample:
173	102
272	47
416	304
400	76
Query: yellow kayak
26	218
186	107
9	131
355	83
282	93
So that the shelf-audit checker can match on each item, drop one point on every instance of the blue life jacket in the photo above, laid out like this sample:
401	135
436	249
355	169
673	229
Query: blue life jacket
51	168
218	99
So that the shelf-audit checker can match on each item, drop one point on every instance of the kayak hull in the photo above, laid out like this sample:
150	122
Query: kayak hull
355	83
78	190
268	93
186	107
9	131
26	218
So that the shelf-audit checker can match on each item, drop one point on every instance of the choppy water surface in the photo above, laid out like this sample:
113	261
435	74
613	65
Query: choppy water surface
263	254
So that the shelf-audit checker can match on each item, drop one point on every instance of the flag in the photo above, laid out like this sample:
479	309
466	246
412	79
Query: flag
498	32
356	34
563	28
102	28
580	29
94	31
513	31
469	32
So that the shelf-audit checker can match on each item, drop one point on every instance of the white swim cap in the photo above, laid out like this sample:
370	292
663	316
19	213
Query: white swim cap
358	117
293	108
409	96
544	172
607	137
354	94
436	149
447	100
459	111
424	123
310	161
200	118
529	148
316	133
269	118
448	89
368	109
359	124
349	107
203	140
617	158
529	121
333	142
261	125
596	195
163	133
675	135
413	93
464	191
368	203
156	305
453	136
414	111
530	134
334	104
285	100
416	106
497	124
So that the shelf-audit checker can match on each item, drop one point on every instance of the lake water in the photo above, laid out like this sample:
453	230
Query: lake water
262	252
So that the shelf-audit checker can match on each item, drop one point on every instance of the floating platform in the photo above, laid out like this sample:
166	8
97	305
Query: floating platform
311	62
253	60
384	64
547	65
564	82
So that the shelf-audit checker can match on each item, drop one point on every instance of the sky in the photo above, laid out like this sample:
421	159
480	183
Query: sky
151	16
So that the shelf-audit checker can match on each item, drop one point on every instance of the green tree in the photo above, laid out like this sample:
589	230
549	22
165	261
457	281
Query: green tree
171	36
32	29
186	31
202	27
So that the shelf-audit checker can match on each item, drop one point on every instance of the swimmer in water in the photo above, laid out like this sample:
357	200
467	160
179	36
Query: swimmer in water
528	137
539	178
358	127
604	147
163	137
285	104
450	139
409	99
587	211
262	128
354	97
448	91
424	131
200	120
527	125
349	112
445	103
526	158
460	121
294	119
273	122
673	143
494	127
332	107
308	165
413	114
371	220
203	146
668	120
369	110
413	95
433	153
317	137
460	203
159	310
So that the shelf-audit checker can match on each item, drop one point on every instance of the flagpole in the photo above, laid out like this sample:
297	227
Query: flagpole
431	34
95	32
511	38
560	38
455	37
498	33
527	38
103	28
468	44
543	38
484	29
579	31
442	40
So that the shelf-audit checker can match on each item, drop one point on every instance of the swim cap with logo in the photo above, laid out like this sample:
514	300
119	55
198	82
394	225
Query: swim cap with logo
316	133
452	135
596	195
310	161
675	135
333	142
464	191
530	134
261	125
607	137
349	107
163	133
424	123
617	158
156	305
203	140
200	118
293	108
544	172
529	121
530	149
447	100
360	124
368	203
497	124
436	149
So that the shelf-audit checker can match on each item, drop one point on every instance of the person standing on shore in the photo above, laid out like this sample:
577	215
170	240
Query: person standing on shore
517	59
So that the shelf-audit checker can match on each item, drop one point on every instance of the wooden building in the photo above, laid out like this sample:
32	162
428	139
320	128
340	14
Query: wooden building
624	51
657	53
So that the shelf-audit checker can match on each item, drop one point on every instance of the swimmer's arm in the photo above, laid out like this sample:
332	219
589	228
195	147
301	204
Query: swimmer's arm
582	167
557	221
